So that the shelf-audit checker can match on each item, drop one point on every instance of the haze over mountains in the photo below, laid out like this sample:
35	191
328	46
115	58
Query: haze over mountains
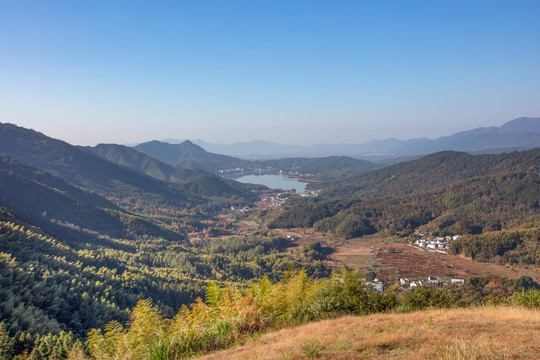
521	133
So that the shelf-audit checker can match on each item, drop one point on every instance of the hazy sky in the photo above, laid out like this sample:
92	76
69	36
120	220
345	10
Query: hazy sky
303	72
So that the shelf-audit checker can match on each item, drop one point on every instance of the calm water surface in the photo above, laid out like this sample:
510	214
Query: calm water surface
274	182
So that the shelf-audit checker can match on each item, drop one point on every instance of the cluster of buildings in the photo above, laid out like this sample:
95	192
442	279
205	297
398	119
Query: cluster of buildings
240	171
242	209
432	280
295	174
310	193
235	171
275	201
379	285
440	243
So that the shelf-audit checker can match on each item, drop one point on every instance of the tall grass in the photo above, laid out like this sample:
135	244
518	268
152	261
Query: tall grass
231	317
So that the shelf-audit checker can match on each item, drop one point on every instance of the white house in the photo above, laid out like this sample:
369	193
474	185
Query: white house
457	281
377	286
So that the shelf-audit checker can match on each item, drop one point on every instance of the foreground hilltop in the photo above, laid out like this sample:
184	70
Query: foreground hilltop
472	333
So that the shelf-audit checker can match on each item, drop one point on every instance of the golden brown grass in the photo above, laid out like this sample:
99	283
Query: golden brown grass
473	333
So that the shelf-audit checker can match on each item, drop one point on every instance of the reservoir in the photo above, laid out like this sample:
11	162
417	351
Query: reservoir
274	182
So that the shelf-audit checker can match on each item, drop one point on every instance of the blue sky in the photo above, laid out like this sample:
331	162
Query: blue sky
294	72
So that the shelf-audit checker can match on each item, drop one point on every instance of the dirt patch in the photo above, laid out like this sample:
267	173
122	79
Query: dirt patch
402	260
406	261
354	255
391	260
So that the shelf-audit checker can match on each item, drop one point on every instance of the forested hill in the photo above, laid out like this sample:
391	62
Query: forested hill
194	180
81	167
127	156
189	155
54	205
429	172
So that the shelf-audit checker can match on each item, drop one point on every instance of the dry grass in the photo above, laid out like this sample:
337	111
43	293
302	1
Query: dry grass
474	333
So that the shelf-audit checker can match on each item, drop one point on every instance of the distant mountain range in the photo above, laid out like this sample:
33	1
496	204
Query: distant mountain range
519	134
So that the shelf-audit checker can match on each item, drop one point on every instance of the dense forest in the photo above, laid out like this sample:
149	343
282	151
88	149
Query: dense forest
49	280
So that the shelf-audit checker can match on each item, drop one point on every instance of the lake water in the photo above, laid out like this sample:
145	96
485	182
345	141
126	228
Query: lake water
274	182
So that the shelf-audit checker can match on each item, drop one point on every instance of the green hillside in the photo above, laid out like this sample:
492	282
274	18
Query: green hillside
429	172
82	168
51	283
127	156
50	202
189	155
195	181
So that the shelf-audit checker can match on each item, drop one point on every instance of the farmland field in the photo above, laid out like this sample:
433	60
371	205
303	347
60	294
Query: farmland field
404	260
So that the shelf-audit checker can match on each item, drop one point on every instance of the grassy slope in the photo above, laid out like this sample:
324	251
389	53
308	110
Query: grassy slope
472	333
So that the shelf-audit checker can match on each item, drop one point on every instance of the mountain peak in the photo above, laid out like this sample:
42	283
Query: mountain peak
522	125
187	145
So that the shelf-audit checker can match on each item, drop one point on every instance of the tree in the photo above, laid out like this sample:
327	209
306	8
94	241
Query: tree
6	343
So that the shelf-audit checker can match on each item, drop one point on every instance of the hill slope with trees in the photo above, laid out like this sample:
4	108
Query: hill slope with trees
429	172
196	180
441	194
188	155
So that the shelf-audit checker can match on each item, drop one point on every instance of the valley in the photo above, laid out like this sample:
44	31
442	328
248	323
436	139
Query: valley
88	235
284	180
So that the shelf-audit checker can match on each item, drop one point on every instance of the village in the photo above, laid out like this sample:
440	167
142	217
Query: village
235	172
438	244
279	199
379	285
275	201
